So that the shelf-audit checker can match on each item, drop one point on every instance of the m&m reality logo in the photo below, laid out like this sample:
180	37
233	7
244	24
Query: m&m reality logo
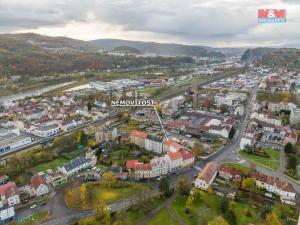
271	15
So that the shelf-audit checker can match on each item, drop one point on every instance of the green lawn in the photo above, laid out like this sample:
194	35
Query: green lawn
271	163
52	164
245	169
34	220
162	218
97	192
209	206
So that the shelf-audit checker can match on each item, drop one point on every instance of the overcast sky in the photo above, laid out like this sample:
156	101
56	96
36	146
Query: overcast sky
217	23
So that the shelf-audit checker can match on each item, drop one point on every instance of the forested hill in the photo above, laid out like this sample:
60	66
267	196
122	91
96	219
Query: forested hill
283	57
158	48
36	55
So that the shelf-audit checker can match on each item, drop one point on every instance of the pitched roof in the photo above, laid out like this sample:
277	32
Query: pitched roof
8	189
139	134
37	181
75	163
232	171
130	163
142	166
173	144
284	186
174	155
208	172
186	154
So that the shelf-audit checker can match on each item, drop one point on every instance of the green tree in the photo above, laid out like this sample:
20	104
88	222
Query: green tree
231	217
183	185
83	140
231	133
164	186
292	162
224	204
288	148
218	221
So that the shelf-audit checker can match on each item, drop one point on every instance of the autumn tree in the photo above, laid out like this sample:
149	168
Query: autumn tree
249	183
271	219
198	149
218	221
83	193
102	214
109	179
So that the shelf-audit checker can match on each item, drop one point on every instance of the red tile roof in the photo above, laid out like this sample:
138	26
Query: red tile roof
174	155
208	172
131	163
8	189
139	134
186	154
284	186
142	166
173	144
37	181
230	170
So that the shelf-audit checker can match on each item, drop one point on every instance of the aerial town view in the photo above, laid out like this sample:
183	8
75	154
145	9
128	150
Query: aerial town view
123	112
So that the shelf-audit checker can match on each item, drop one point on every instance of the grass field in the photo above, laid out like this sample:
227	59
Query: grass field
271	163
98	192
245	169
52	164
34	220
209	207
162	218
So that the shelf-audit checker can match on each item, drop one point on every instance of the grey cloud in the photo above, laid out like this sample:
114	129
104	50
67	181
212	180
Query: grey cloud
188	20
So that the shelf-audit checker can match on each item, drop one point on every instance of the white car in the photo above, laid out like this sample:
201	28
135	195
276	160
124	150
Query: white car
33	206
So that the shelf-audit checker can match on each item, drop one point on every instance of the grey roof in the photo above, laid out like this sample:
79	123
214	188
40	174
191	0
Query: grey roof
75	163
155	138
12	138
46	127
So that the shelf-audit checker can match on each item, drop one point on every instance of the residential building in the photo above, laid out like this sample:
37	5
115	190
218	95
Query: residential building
9	194
229	173
57	179
139	170
70	124
39	185
159	166
170	145
46	130
222	131
188	158
271	184
207	176
174	160
154	143
106	134
75	166
6	215
295	116
138	138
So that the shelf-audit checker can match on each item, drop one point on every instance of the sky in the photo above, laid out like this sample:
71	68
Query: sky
215	23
